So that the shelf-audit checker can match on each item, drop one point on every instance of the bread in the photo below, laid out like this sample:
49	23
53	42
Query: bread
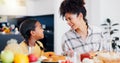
52	57
49	54
109	57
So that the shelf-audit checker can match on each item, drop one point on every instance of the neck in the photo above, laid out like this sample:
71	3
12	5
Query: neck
31	42
83	31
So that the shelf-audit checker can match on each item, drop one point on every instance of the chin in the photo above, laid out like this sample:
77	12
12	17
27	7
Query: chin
42	37
74	28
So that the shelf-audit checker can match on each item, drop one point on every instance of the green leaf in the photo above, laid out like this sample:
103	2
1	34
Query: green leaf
113	45
105	32
111	32
116	38
106	28
115	29
109	21
104	24
115	24
119	46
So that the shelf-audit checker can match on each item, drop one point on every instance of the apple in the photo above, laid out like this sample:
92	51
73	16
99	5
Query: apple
7	56
84	55
67	61
32	58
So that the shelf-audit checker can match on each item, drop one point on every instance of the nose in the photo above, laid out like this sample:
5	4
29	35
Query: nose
69	23
43	30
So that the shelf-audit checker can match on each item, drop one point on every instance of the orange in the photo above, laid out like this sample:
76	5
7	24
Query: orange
21	58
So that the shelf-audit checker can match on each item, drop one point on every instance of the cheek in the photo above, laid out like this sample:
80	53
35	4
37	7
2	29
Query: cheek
76	22
70	23
40	32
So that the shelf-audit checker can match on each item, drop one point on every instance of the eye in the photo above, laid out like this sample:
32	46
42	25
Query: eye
68	19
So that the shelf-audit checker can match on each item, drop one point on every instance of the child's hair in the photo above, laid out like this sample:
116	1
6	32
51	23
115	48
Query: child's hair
26	26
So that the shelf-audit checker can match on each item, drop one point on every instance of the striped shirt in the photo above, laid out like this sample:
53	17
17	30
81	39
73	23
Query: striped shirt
93	42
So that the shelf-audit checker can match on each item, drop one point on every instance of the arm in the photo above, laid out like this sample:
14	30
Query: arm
66	47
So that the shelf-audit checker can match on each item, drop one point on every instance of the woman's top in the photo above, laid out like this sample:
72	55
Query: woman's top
94	41
37	50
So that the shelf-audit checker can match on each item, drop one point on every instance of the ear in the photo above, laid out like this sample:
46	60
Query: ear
80	15
32	33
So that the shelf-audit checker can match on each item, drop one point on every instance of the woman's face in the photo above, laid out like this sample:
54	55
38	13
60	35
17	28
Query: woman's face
39	31
73	20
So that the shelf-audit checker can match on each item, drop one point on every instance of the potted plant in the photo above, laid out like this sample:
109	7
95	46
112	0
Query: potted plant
108	26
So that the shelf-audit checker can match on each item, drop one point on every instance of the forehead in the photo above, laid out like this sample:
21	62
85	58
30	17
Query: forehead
38	23
70	15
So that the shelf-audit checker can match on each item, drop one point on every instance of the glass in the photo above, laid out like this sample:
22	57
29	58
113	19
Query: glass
30	50
72	57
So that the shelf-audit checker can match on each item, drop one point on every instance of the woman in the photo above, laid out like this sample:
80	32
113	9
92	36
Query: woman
82	37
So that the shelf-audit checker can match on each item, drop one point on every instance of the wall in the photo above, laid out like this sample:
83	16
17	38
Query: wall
12	7
32	7
93	11
40	7
110	9
102	9
60	28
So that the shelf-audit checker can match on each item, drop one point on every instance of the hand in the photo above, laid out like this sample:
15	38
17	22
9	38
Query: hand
70	53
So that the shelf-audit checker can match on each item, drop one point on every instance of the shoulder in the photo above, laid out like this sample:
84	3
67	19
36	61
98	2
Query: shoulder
24	46
69	32
68	35
40	43
95	29
23	43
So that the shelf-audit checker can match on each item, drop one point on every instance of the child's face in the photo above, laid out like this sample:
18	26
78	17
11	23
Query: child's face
39	31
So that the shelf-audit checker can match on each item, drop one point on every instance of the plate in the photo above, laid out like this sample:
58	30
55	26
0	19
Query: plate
49	62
